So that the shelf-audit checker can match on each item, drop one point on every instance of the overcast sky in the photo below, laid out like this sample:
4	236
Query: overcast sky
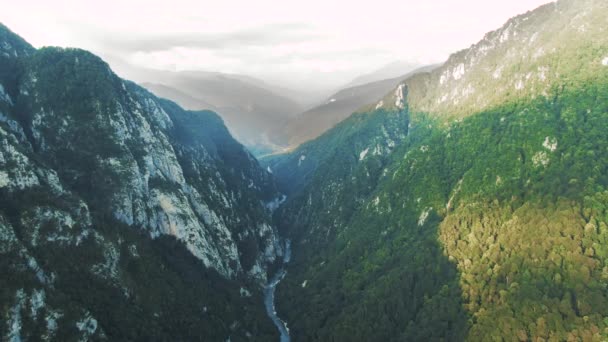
300	41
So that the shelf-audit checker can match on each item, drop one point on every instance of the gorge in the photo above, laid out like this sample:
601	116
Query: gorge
469	202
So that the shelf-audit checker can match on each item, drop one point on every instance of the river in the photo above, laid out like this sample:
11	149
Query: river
269	290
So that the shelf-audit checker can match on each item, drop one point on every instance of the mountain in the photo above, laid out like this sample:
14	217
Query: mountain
470	203
254	116
251	113
464	202
122	215
304	97
395	69
313	122
185	101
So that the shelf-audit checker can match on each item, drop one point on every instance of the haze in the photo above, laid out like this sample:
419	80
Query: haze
304	44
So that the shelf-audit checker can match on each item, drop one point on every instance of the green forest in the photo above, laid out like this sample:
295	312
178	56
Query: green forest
489	228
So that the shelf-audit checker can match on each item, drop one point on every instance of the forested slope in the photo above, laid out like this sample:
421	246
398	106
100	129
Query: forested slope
487	220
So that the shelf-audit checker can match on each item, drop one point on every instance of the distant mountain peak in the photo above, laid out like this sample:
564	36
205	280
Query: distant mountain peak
391	70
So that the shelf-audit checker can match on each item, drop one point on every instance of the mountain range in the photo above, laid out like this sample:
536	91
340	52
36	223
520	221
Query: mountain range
466	201
264	121
315	121
252	110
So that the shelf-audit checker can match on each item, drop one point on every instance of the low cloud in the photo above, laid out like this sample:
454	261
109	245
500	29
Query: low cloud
264	36
308	44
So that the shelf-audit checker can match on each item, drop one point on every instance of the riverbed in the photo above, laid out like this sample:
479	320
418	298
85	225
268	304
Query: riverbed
269	297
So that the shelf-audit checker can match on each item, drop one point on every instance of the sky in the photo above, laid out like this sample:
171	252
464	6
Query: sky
306	43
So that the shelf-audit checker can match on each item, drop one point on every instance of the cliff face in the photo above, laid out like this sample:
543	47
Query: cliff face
563	41
89	162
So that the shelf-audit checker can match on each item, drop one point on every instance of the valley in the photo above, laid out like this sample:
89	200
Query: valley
464	201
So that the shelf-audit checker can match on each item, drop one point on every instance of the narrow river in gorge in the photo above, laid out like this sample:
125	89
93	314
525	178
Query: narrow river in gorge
269	290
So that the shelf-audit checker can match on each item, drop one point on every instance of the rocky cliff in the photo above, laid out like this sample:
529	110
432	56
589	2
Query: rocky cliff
96	168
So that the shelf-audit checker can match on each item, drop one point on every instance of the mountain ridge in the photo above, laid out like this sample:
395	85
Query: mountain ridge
485	220
451	88
316	121
392	70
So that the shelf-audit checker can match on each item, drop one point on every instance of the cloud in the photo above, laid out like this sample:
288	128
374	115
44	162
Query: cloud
262	36
302	42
